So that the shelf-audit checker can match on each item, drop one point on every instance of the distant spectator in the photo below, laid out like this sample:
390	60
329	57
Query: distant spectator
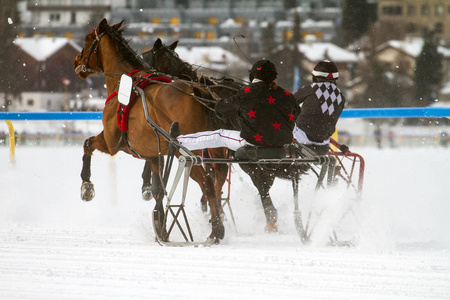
391	139
444	139
378	137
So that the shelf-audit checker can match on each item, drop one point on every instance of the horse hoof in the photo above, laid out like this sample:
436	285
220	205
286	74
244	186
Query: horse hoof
218	230
87	191
147	194
271	228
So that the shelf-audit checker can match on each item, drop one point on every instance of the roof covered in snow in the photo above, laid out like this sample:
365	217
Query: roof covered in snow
319	51
41	48
411	47
213	57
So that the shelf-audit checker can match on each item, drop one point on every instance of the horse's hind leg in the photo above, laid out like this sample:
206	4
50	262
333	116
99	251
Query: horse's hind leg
91	144
206	183
146	181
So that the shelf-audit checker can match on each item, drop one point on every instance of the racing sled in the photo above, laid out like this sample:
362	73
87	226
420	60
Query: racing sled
170	215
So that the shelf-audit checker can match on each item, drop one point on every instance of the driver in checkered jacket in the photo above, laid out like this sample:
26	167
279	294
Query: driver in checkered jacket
323	103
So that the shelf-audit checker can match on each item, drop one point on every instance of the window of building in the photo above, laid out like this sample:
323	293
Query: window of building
73	18
439	27
425	10
392	10
439	10
411	10
55	17
30	102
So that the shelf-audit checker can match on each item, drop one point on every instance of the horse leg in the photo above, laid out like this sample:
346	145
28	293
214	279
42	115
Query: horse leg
206	183
263	181
220	172
146	181
220	175
91	144
151	185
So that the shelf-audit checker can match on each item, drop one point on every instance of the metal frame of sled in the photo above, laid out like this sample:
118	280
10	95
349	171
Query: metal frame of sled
348	167
179	220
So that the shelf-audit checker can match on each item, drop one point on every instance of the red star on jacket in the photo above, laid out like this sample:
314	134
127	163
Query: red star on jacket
251	113
258	138
276	126
291	116
287	93
247	89
271	100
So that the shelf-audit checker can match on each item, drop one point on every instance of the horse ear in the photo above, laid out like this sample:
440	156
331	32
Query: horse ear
101	27
118	25
174	45
158	44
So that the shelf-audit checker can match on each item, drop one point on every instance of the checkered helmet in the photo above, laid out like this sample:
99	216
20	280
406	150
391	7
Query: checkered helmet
326	69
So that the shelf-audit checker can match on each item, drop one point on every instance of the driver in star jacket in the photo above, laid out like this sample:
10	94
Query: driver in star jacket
266	114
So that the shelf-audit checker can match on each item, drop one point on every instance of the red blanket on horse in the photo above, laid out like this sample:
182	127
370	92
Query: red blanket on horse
123	111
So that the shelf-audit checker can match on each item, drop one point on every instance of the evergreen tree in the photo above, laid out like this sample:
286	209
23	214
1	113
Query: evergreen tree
356	16
297	39
381	89
428	72
8	62
268	40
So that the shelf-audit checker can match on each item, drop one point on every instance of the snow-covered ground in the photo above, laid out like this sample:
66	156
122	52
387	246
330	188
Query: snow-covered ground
54	246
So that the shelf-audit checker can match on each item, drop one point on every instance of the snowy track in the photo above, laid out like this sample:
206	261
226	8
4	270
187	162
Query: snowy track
54	246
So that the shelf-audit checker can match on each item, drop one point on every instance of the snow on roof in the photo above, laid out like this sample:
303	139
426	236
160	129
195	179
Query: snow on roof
210	57
41	48
445	90
319	51
314	24
411	46
230	23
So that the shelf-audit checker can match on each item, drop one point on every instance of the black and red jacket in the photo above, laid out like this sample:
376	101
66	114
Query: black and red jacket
266	115
322	106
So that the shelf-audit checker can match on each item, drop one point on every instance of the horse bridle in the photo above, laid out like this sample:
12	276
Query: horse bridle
94	49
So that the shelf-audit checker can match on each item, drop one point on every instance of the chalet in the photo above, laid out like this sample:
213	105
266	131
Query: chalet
403	55
46	73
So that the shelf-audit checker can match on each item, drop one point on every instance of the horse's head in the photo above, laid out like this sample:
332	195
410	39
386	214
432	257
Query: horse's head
88	61
164	59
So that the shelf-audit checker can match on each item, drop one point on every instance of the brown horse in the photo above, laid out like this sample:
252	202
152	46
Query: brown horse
106	51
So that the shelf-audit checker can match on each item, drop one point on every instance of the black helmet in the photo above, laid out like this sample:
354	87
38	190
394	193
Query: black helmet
326	69
264	70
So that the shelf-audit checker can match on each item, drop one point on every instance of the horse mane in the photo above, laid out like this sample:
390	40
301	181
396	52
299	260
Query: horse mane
188	69
125	50
185	69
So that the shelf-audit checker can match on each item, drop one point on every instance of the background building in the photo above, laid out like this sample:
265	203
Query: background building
413	17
